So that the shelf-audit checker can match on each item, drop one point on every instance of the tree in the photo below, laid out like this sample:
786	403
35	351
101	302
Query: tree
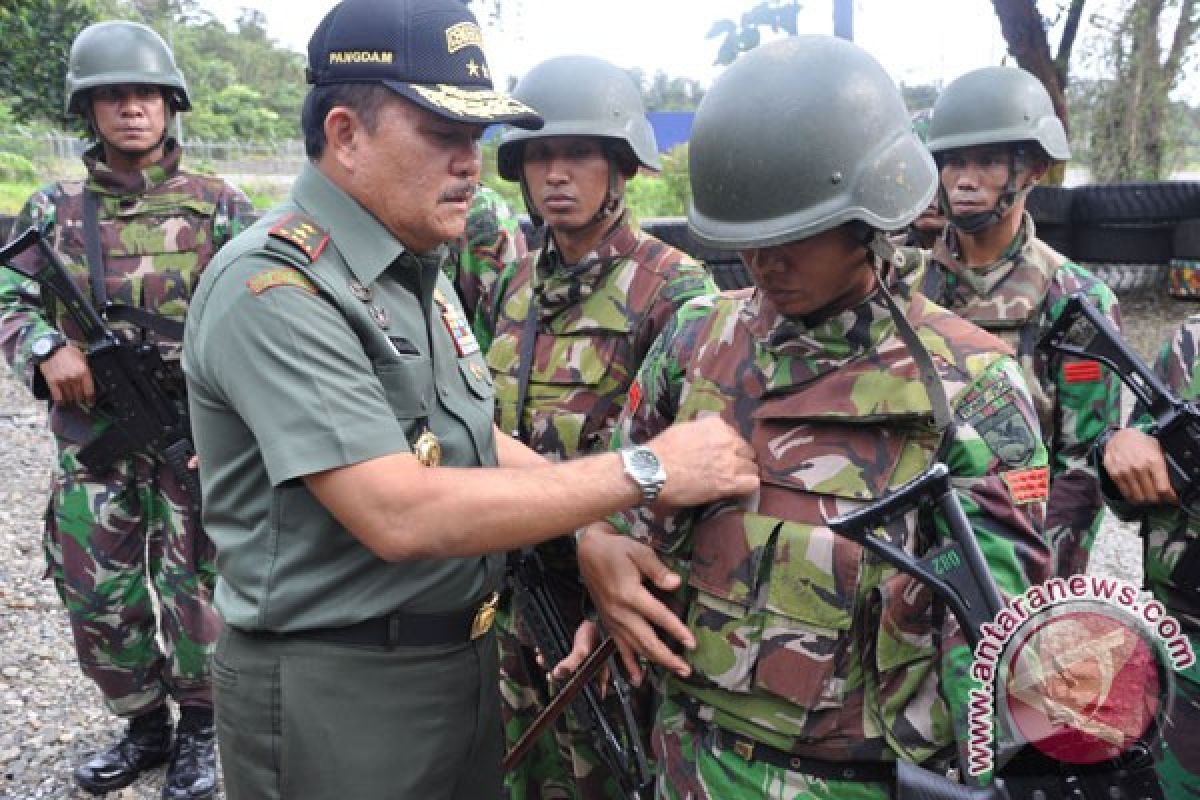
37	36
1131	134
1024	30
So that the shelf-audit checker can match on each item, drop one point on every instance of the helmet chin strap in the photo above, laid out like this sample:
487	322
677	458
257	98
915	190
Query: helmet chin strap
974	223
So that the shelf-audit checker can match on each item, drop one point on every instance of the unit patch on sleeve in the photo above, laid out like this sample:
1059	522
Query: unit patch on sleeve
302	232
1081	371
1027	485
280	276
990	407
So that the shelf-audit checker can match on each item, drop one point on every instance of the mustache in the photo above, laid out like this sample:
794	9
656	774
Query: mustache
459	192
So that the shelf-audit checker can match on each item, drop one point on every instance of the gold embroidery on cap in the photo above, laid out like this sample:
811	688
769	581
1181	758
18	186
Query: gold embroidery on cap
361	57
464	34
485	105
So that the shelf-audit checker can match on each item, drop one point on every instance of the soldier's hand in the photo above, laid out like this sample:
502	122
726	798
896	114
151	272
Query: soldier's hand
705	460
1134	461
614	567
587	638
68	377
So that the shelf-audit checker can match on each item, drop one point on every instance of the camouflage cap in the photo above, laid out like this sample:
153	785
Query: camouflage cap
428	51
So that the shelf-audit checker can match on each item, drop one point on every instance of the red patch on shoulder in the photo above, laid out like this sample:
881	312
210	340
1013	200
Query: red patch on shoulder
1082	371
635	397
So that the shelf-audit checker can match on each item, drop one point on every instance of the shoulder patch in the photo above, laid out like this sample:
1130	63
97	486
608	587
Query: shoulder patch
1082	372
990	407
280	276
303	232
1027	485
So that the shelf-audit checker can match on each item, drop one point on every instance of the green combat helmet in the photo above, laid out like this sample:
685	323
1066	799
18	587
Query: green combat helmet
117	51
582	96
997	105
775	158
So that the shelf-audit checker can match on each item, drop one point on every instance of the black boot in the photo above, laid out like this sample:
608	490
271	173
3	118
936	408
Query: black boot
192	774
145	745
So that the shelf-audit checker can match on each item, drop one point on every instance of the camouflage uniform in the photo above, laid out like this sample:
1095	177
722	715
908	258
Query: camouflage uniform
806	644
1167	533
596	320
158	229
493	240
1018	298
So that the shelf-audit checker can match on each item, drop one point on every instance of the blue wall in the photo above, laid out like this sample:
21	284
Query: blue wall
671	128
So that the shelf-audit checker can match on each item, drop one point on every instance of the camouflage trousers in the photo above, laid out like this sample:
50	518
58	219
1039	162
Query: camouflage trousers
562	764
116	545
692	765
1178	764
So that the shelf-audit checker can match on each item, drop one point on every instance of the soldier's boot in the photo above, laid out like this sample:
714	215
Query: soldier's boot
192	773
145	745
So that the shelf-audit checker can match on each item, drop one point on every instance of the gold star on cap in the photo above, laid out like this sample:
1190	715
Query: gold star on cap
473	68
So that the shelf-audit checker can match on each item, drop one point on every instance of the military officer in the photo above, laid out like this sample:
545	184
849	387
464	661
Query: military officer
994	134
136	233
809	666
570	323
354	480
1135	479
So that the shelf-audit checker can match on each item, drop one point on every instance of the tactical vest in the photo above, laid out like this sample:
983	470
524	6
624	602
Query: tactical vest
789	618
585	356
1014	310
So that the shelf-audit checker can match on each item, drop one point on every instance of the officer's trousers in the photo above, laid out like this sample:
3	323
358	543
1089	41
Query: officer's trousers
306	720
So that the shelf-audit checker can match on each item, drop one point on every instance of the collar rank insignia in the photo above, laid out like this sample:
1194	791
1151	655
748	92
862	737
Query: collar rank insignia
465	342
359	291
379	314
301	232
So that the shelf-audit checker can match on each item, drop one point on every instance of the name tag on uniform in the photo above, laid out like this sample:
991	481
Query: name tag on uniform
464	340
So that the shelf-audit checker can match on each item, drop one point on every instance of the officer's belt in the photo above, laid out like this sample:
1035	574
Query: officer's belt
401	628
753	750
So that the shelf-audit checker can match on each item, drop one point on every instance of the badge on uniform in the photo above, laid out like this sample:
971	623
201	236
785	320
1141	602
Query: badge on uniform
464	340
428	449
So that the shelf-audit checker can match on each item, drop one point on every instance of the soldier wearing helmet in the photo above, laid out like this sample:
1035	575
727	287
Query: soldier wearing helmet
994	134
808	667
357	489
927	227
136	234
570	323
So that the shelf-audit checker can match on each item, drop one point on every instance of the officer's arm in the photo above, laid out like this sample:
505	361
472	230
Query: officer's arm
511	452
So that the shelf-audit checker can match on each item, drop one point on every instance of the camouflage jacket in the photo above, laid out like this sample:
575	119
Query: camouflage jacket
805	641
596	320
159	228
492	241
1018	298
1168	532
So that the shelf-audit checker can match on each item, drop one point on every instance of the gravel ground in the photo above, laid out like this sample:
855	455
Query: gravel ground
52	717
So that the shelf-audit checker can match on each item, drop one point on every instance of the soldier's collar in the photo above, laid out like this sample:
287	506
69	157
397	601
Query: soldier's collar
984	280
104	179
367	246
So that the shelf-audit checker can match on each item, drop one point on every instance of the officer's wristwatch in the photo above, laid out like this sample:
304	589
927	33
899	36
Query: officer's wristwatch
646	471
46	345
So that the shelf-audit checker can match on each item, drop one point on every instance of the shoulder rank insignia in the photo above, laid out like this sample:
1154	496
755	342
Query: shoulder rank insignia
303	232
280	276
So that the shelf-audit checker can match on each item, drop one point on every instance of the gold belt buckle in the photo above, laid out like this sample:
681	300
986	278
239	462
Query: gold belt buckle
485	616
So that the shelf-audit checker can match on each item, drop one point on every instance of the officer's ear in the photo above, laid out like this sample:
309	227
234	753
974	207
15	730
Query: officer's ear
343	131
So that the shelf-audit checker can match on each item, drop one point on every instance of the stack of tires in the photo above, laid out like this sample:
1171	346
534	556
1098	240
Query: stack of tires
1183	273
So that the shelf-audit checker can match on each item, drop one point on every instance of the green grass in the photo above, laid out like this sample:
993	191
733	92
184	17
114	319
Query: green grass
14	195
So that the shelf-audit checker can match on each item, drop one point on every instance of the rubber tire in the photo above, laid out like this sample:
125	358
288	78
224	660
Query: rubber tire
1142	244
1124	278
1187	240
1136	202
1050	205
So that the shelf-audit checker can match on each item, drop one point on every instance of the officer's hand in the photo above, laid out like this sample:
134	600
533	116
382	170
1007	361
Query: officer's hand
68	377
705	460
614	567
587	638
1134	461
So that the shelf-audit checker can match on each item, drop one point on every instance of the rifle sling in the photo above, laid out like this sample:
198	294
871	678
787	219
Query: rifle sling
525	365
578	682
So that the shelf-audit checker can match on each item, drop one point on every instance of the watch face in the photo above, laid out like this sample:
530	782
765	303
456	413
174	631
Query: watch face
644	461
43	346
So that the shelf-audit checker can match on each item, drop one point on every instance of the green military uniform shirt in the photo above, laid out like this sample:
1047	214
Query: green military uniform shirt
316	341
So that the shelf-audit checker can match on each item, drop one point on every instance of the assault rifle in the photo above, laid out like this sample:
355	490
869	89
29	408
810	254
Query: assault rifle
619	745
957	573
1083	331
134	388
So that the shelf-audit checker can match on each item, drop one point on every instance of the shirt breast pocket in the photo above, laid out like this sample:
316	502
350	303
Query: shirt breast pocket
407	386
